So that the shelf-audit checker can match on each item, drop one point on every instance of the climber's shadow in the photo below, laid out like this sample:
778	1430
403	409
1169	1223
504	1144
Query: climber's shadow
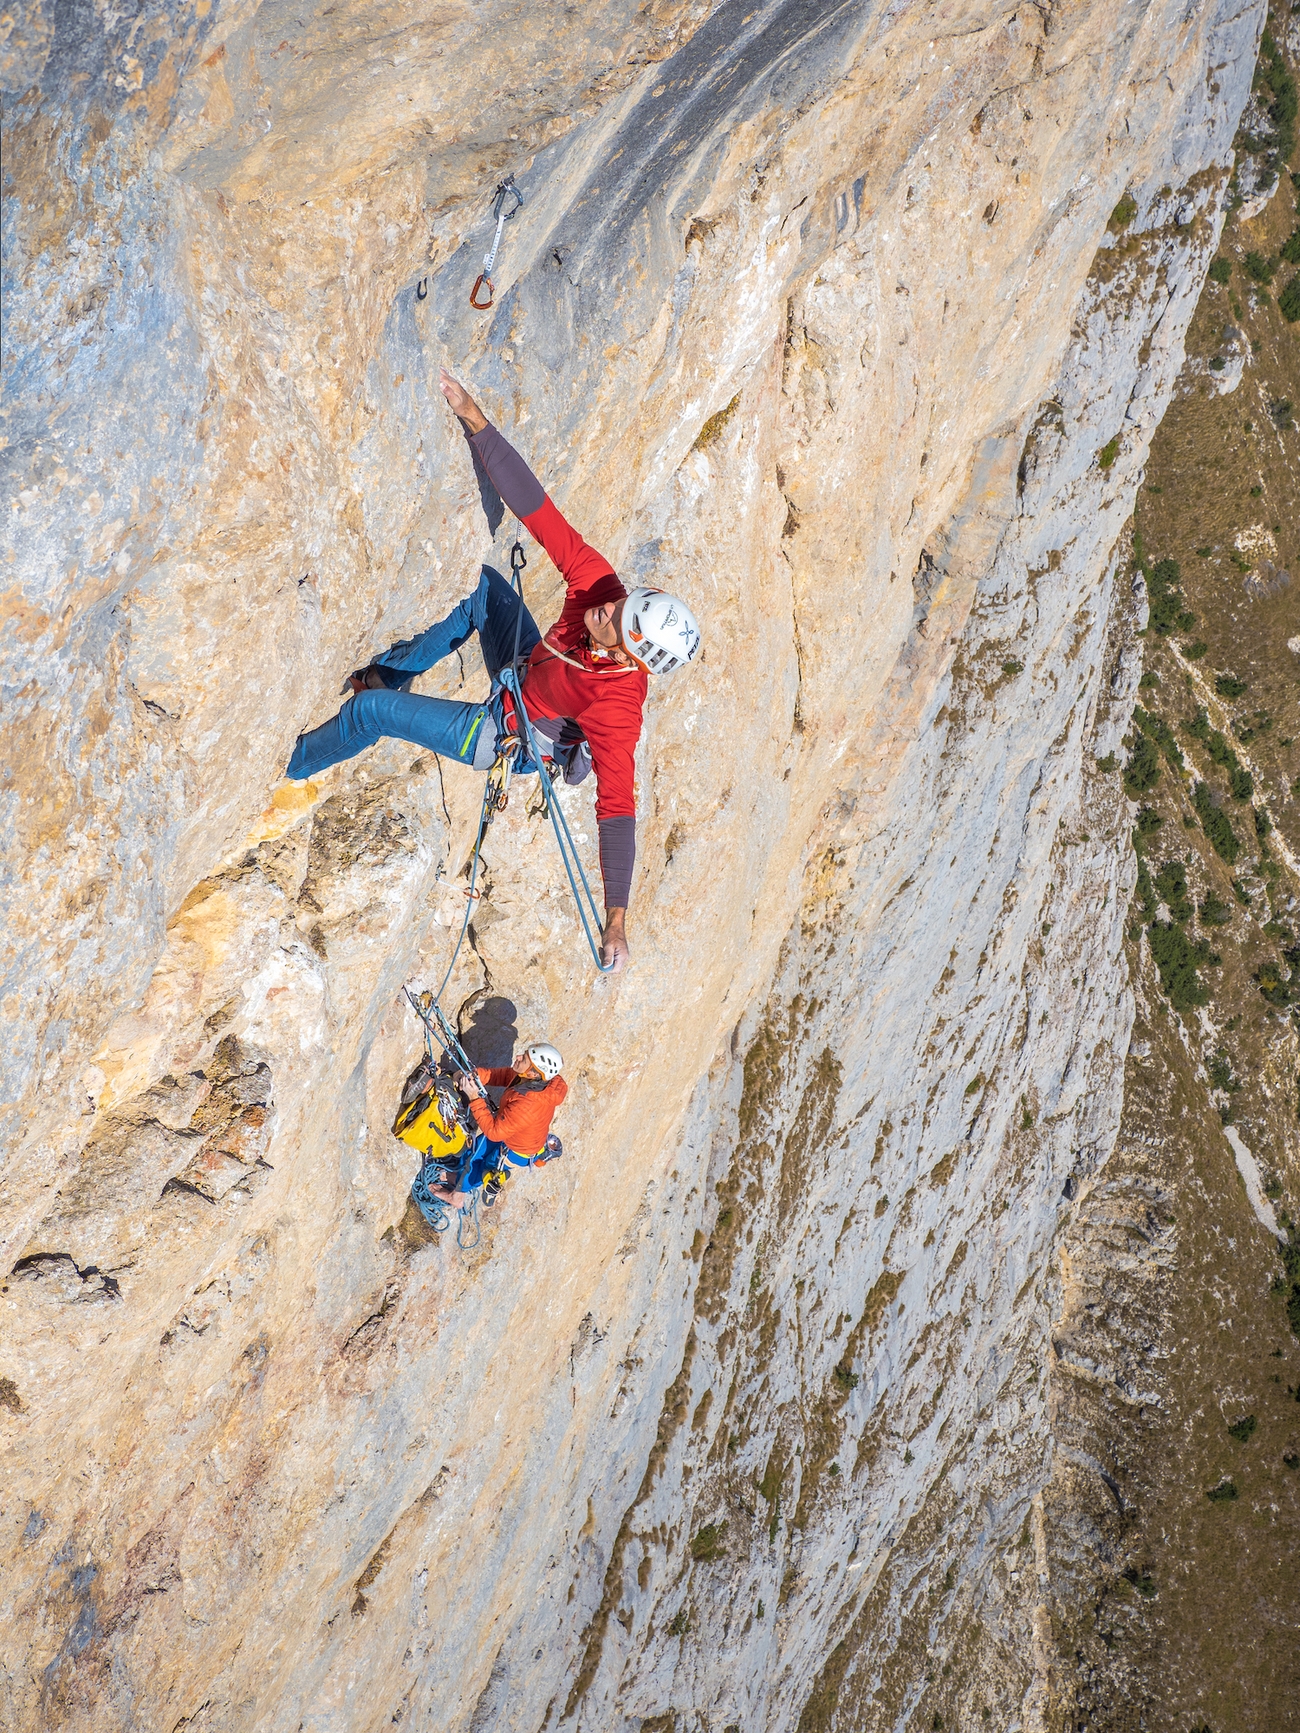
493	1033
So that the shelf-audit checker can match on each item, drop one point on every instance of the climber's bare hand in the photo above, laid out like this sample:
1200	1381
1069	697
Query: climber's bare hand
613	950
461	402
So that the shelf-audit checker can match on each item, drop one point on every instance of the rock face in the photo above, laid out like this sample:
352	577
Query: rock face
852	324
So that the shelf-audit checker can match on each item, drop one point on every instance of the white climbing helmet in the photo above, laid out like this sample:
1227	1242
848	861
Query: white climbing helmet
546	1059
659	630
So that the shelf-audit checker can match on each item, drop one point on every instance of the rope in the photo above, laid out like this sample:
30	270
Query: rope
427	1006
434	1210
470	1211
550	800
588	913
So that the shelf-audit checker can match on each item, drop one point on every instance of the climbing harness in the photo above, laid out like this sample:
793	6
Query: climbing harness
506	190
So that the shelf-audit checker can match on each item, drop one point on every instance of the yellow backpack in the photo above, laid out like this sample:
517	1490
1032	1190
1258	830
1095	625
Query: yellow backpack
429	1127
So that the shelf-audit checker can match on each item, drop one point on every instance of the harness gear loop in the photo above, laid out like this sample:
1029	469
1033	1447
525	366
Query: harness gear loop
503	766
506	190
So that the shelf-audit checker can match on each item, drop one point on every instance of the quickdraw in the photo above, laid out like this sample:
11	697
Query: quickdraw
506	190
498	783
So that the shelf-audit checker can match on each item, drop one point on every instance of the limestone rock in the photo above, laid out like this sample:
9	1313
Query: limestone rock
814	314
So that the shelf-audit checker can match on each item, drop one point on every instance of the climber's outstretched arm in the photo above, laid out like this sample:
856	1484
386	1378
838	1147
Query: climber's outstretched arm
589	578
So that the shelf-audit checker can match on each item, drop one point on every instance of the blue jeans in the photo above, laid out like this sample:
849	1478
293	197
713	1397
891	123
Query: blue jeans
464	732
487	1155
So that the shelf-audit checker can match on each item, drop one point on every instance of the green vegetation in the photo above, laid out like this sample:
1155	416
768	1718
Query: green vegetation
1012	667
1221	1074
707	1544
1289	1283
1242	1429
1108	453
1223	1493
1258	268
1171	887
1195	651
1148	822
1143	769
1228	686
1157	729
1178	959
845	1378
976	1083
1288	302
1275	990
1108	763
1214	912
1290	249
1122	215
715	426
1220	270
1215	824
1168	611
1240	781
1276	86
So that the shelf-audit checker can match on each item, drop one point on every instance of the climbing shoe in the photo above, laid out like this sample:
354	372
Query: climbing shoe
375	679
493	1185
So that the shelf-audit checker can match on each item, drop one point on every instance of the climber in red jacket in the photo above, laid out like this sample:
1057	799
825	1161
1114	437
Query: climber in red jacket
585	685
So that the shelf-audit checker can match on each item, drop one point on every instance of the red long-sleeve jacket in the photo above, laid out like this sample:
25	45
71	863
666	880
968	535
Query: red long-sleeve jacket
524	1116
605	699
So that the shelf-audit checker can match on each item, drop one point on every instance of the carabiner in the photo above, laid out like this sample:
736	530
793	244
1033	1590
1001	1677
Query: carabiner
481	306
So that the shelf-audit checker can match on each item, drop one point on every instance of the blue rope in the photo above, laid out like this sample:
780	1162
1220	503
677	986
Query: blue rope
431	1208
471	1211
435	1212
560	825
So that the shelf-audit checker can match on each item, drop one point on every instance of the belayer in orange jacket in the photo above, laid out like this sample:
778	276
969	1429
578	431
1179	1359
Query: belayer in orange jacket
516	1133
